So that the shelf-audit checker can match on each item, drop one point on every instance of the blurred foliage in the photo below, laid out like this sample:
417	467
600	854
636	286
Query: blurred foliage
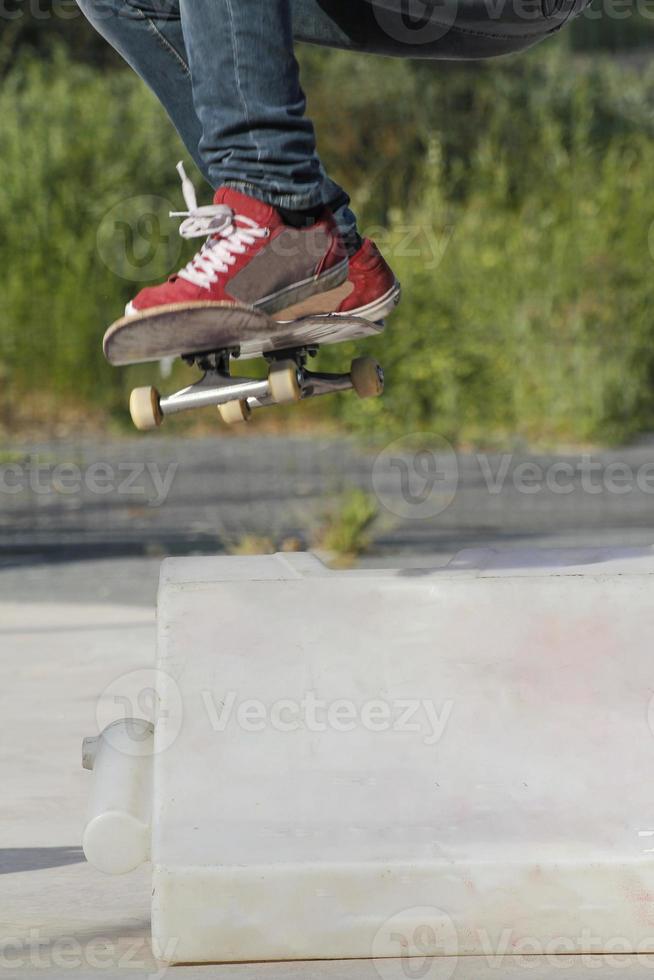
614	25
524	245
345	532
512	197
252	544
35	26
74	144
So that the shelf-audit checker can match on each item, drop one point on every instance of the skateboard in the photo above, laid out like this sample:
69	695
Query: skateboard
212	335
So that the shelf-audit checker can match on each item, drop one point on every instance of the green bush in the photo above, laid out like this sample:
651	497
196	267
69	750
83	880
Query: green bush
513	198
75	144
527	310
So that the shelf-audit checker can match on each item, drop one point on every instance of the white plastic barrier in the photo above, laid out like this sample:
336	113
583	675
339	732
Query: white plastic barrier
356	764
117	835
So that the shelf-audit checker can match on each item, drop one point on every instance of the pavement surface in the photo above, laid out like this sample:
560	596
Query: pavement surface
83	528
92	520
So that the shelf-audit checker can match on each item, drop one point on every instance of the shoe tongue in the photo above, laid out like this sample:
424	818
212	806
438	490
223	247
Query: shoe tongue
264	214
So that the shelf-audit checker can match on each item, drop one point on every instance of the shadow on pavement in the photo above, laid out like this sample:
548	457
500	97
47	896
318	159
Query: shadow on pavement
15	859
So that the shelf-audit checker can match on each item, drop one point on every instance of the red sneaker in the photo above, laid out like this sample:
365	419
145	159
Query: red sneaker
375	292
370	291
250	257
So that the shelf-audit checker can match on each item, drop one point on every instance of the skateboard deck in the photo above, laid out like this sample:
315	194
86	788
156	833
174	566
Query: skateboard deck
211	335
185	330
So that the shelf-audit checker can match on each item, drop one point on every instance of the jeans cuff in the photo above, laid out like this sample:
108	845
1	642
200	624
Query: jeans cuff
292	202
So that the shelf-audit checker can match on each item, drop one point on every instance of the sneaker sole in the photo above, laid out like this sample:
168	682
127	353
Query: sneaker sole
328	303
380	308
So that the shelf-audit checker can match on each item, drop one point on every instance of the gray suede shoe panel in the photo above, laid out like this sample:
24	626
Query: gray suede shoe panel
289	259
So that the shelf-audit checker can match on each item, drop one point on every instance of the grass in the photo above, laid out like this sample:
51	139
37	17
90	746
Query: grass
256	544
346	530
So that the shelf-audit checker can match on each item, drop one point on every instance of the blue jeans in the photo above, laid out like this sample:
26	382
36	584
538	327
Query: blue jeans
226	73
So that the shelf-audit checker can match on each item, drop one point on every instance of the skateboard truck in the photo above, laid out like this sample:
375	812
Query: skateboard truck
288	381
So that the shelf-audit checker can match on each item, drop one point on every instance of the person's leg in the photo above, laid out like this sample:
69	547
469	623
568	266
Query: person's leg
148	35
256	136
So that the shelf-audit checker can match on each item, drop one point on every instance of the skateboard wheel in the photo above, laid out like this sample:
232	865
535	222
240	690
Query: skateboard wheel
235	411
367	377
284	382
144	408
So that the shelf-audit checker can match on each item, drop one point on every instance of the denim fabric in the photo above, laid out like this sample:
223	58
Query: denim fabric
226	74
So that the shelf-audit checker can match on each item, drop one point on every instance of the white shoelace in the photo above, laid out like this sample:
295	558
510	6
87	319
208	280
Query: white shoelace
229	234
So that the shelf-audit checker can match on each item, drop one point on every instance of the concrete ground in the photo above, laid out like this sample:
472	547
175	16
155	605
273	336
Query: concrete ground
78	575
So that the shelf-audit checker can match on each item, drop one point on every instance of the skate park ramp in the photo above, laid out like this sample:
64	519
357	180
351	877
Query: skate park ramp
560	810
